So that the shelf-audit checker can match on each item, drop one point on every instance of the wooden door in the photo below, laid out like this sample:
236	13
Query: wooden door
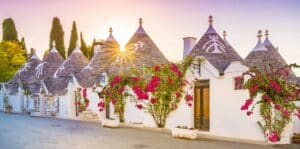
201	101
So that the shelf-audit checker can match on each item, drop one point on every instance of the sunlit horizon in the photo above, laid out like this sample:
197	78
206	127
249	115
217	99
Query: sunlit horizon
166	22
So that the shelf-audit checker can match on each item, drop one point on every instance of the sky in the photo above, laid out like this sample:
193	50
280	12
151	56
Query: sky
166	21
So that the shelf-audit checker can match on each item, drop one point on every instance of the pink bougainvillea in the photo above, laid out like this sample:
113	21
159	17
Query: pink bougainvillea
277	101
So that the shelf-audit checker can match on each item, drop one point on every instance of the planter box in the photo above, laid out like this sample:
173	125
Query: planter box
110	123
184	133
35	114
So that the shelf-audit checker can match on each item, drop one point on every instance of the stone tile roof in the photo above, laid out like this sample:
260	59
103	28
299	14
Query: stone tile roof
57	86
100	63
49	65
140	51
73	64
216	50
266	56
26	74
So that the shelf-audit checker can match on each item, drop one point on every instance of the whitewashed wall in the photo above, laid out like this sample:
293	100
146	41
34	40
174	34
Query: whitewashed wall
296	120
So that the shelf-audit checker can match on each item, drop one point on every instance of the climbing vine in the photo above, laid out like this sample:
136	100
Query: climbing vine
277	102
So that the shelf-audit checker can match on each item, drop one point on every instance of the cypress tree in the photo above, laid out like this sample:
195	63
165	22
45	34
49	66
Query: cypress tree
57	35
23	43
9	30
91	50
73	38
83	46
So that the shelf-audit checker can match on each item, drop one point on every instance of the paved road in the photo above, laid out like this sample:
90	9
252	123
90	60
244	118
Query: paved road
24	132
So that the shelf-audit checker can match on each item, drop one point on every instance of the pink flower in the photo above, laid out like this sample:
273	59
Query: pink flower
249	113
274	85
100	110
157	68
154	82
278	107
139	106
266	98
286	112
178	94
175	69
135	79
254	88
153	100
247	104
120	90
84	94
298	113
113	101
115	81
273	136
101	104
190	104
140	93
188	98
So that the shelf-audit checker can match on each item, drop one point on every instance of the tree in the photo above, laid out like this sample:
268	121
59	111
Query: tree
83	46
73	38
9	30
11	59
57	35
91	49
22	43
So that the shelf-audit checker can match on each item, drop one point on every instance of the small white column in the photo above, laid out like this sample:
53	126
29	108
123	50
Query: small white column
188	45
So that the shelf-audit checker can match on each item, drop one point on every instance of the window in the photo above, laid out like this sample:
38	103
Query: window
238	83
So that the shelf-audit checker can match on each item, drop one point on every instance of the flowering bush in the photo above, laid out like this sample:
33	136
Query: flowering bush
161	90
115	93
82	103
158	93
277	100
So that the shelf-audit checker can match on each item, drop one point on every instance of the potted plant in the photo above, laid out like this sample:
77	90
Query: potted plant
184	132
296	138
111	123
8	109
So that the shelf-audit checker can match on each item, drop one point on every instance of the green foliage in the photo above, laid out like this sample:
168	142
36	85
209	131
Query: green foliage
83	46
11	59
91	49
9	30
57	34
73	38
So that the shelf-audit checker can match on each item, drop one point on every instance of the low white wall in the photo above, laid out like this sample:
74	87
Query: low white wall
15	101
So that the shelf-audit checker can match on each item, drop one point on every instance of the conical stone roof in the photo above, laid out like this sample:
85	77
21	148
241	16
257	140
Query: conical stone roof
216	50
265	54
140	51
49	65
25	75
72	65
100	62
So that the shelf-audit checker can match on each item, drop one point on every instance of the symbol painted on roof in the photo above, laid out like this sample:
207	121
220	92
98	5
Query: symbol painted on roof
39	69
136	46
213	45
25	67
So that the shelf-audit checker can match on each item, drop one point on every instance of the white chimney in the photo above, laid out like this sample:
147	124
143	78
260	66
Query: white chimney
188	45
97	48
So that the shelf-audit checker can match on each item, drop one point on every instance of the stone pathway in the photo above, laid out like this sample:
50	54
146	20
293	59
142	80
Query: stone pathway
24	132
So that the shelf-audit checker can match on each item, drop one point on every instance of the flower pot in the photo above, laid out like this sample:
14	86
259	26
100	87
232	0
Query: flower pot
111	123
35	114
8	109
184	133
